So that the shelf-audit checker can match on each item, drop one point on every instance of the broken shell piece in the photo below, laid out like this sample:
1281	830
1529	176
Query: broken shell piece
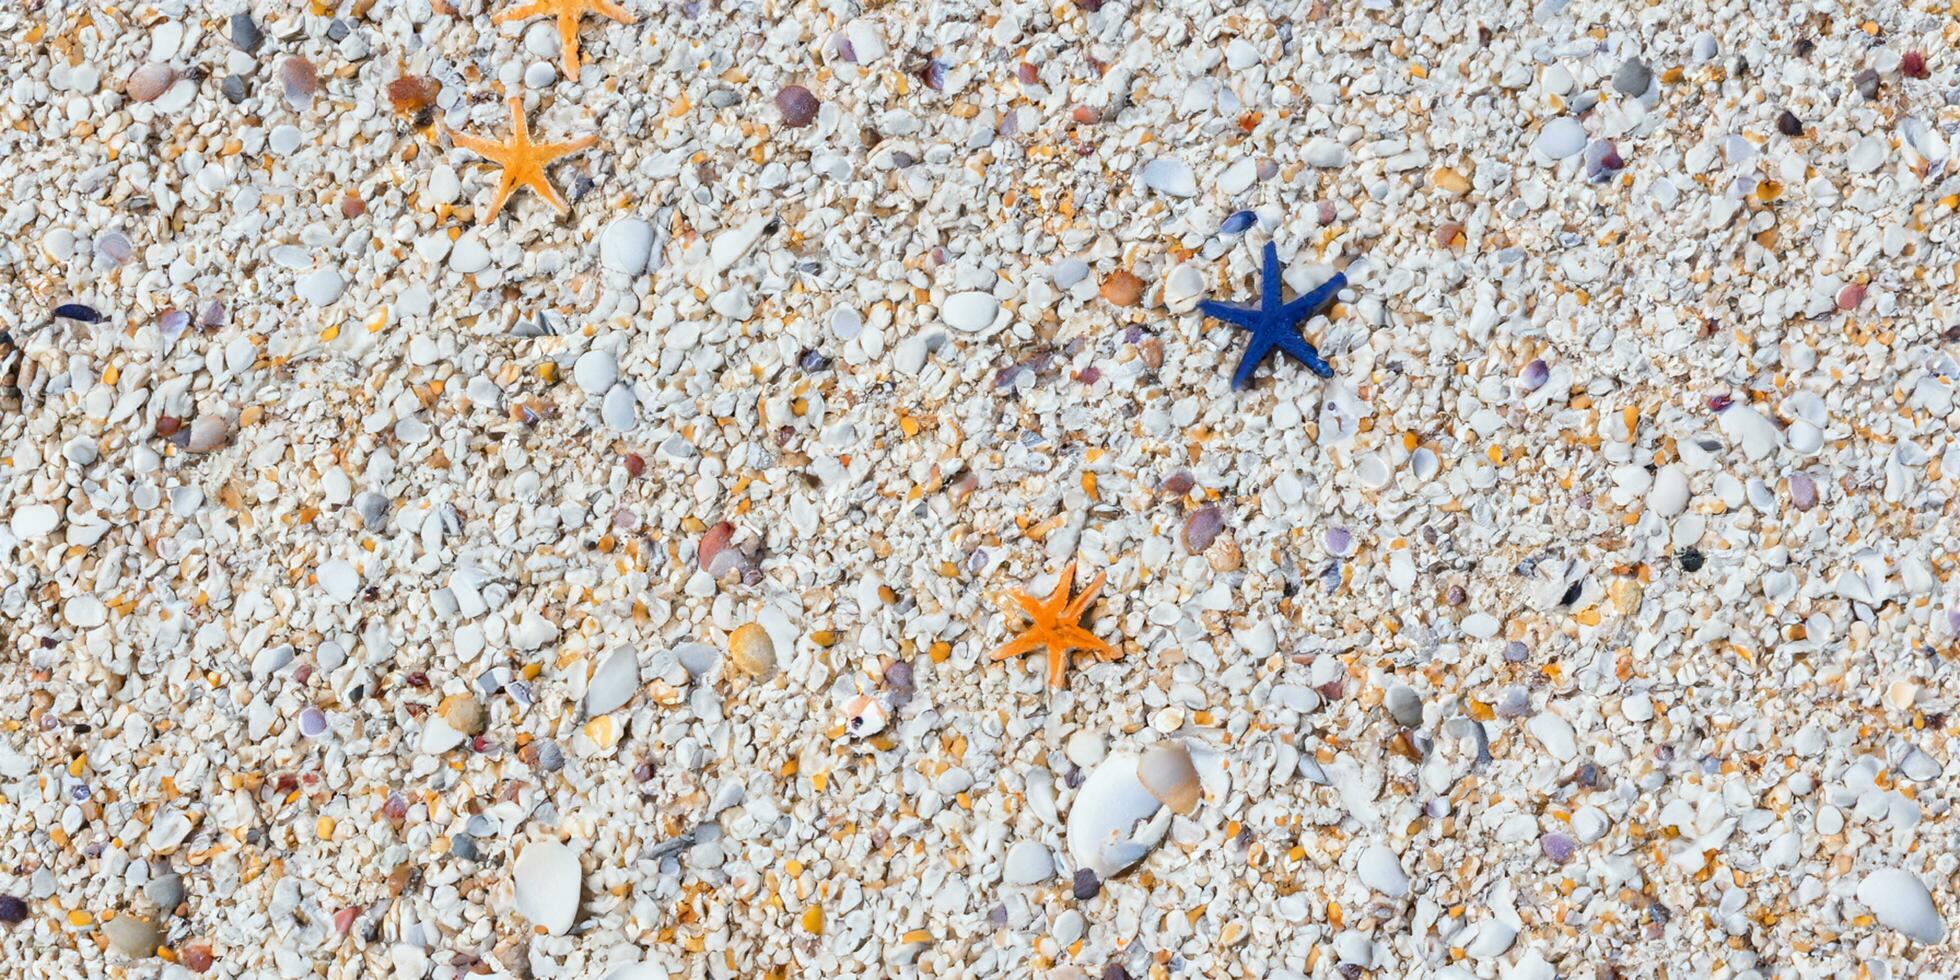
643	970
208	433
1114	821
463	713
1166	772
1184	287
546	882
614	682
865	716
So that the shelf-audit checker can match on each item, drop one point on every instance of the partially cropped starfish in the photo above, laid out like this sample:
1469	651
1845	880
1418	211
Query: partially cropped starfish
1274	323
568	13
523	161
1055	624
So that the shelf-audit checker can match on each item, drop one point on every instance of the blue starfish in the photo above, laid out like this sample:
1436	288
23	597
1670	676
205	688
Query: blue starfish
1274	324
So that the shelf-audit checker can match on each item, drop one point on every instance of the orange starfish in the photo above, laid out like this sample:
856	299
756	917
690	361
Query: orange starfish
523	161
1056	624
568	13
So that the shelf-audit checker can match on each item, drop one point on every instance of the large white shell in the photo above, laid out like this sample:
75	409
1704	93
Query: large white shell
1900	900
546	881
614	682
643	970
1103	823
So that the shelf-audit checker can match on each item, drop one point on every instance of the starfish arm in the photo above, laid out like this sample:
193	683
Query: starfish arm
504	187
1024	643
552	151
1029	604
1051	607
1078	638
542	185
520	12
1297	347
568	42
1270	282
520	131
488	149
1244	317
1306	306
1057	665
1255	352
606	8
1080	604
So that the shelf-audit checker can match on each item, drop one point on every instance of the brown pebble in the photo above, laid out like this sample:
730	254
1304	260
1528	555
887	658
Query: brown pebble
635	466
1850	296
1087	114
1449	235
798	106
1913	65
301	81
752	651
150	81
714	555
167	425
1122	288
1202	527
351	206
1177	484
196	956
410	94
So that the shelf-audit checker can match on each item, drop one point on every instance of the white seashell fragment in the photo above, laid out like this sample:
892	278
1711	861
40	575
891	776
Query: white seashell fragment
1165	770
614	682
969	312
546	881
1169	175
1381	870
1900	900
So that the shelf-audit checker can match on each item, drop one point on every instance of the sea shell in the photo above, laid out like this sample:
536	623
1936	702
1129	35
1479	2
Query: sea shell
865	716
643	970
1166	772
546	882
614	682
1114	820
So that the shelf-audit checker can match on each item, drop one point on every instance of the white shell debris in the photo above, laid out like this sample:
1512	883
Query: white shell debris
1900	900
1168	175
32	522
1381	870
545	882
614	683
1609	575
625	246
969	312
1027	863
1561	137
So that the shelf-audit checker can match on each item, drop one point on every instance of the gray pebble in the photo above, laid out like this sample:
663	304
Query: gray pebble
1633	77
133	936
167	891
463	846
1867	83
234	88
373	509
245	35
337	31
